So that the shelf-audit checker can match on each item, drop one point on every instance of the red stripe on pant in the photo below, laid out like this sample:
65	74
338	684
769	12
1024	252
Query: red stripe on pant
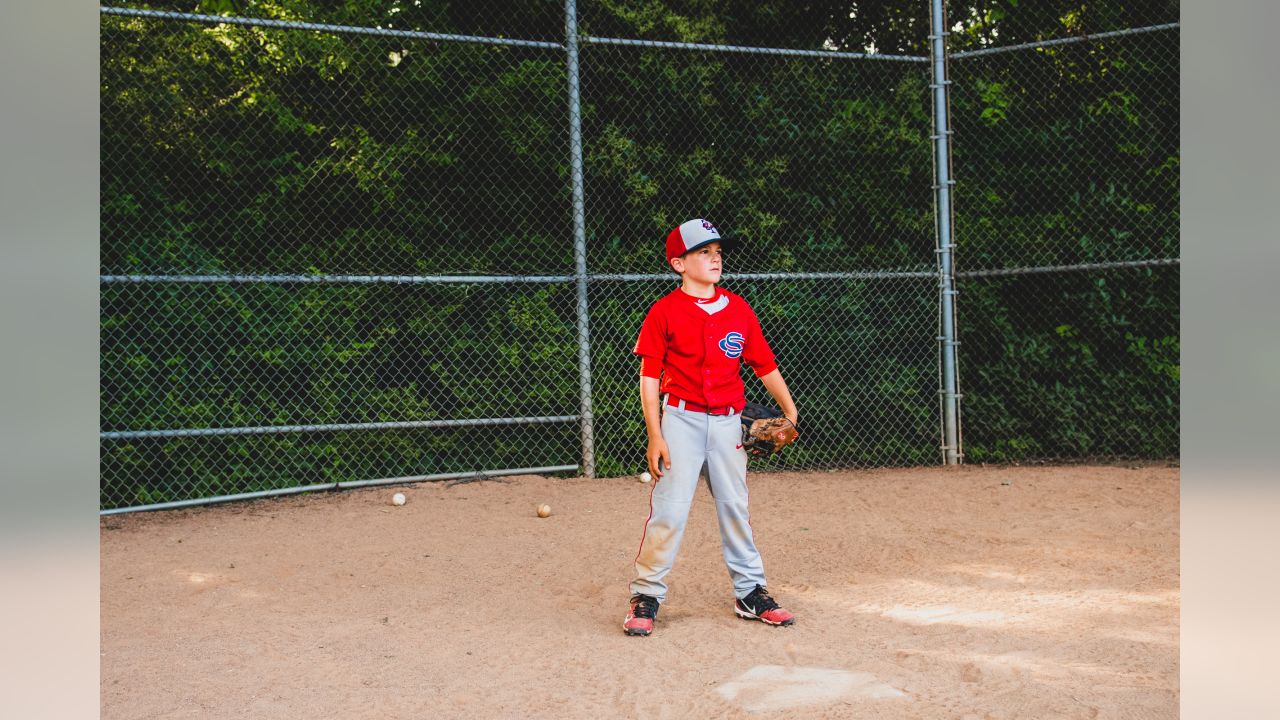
646	523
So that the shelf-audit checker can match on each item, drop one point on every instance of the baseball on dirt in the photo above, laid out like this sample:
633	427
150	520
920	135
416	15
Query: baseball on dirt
397	499
646	477
544	510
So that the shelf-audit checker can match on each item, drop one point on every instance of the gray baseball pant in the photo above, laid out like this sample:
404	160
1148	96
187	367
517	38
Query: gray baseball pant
695	439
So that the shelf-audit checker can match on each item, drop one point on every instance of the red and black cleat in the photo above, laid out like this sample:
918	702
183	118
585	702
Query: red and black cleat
759	606
643	611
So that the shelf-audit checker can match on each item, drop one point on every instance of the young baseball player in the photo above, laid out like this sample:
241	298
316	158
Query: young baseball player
690	347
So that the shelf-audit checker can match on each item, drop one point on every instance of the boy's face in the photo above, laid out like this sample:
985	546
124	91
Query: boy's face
702	265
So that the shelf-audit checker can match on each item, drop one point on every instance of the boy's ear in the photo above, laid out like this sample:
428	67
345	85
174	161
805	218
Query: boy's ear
677	264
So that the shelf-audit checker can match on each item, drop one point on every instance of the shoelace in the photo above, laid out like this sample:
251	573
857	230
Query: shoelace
645	608
759	601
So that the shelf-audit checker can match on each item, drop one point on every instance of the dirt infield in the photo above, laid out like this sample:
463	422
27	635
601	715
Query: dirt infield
1010	592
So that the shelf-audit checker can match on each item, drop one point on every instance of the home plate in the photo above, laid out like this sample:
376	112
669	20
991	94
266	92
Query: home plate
773	687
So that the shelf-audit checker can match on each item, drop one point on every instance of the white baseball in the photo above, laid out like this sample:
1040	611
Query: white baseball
646	477
397	499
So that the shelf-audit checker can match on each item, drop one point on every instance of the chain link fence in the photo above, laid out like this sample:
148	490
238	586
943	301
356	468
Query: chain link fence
303	236
338	255
781	145
1067	221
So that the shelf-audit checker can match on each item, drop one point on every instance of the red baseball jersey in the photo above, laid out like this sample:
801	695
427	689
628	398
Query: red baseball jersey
697	344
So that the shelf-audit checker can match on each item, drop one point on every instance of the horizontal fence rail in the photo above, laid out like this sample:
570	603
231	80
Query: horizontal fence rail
491	279
335	427
1083	267
339	279
474	475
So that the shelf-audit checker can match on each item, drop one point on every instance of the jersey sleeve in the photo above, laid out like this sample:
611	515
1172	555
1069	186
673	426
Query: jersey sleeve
650	368
757	353
651	345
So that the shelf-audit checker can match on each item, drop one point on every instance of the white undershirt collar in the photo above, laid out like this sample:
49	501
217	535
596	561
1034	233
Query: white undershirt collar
713	306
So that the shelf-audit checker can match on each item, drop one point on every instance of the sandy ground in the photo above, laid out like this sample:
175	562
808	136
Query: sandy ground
1000	592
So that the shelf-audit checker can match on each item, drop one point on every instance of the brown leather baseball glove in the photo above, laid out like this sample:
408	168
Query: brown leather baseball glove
765	430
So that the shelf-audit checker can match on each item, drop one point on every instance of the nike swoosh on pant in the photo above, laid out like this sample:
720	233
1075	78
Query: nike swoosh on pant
738	446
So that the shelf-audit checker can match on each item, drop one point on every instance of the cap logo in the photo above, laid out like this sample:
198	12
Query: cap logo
692	234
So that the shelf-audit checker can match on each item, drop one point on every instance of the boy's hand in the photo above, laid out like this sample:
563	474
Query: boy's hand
659	457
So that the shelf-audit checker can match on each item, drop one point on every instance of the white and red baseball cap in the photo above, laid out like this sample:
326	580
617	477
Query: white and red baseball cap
693	234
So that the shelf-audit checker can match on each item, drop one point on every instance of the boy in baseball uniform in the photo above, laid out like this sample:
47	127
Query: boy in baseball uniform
690	346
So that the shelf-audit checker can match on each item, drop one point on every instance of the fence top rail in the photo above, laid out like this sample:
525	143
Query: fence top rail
1064	41
834	54
323	27
449	37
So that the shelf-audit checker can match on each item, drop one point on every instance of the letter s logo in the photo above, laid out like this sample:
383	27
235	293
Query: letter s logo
732	345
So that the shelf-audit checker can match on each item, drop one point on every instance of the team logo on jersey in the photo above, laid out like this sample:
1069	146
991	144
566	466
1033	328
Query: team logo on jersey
732	345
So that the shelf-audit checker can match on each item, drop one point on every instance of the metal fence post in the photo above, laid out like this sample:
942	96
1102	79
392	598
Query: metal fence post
579	239
951	450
